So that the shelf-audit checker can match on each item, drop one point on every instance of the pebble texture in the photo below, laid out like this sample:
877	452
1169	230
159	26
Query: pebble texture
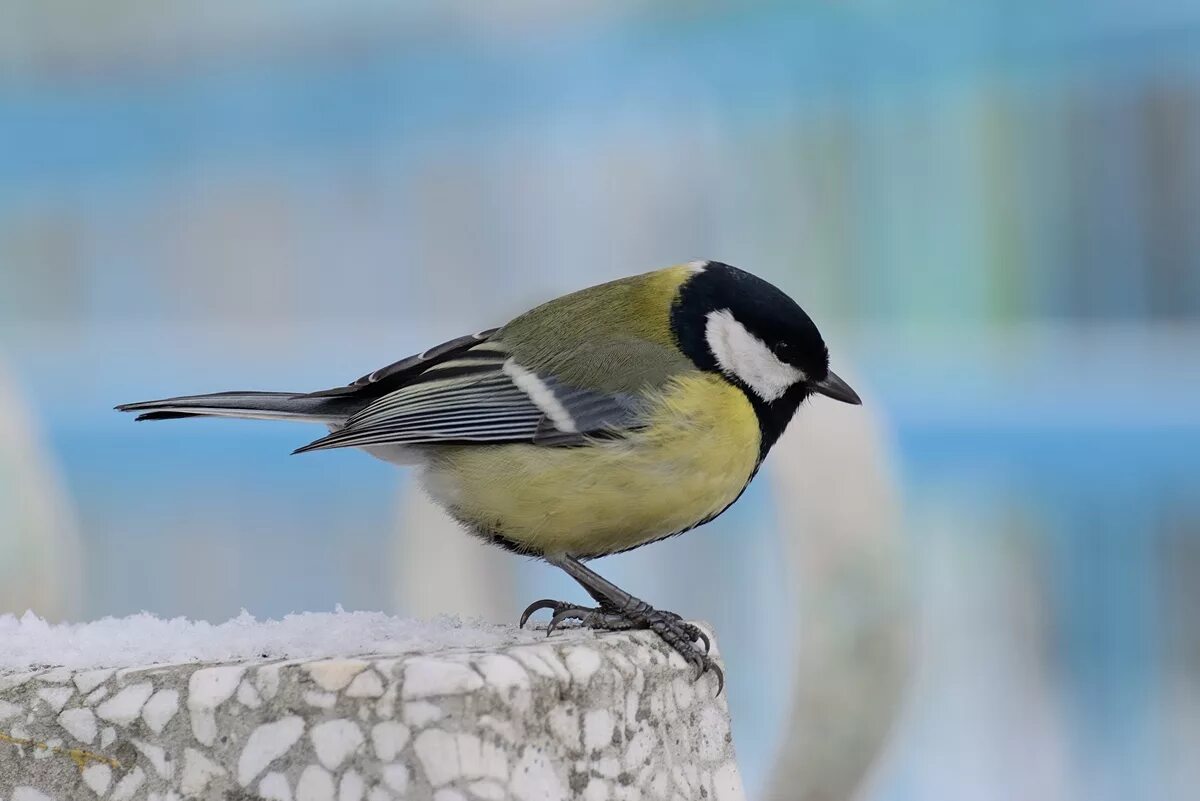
614	717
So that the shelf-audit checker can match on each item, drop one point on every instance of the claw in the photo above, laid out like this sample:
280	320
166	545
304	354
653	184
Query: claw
678	634
565	614
720	678
536	606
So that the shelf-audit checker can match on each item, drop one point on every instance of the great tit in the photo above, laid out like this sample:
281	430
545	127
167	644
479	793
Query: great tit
595	423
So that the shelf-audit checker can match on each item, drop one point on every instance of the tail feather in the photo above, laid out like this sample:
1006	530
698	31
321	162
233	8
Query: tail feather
248	405
165	415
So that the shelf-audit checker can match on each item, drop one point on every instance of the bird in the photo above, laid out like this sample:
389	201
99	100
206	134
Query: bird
598	422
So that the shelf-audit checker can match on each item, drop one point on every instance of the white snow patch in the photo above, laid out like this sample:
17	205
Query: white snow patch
31	643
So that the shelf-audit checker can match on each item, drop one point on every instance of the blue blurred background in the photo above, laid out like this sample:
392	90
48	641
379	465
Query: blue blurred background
992	209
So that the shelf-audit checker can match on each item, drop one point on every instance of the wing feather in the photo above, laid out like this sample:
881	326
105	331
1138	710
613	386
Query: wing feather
480	395
431	356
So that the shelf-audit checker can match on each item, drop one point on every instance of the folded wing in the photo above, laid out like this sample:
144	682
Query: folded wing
482	395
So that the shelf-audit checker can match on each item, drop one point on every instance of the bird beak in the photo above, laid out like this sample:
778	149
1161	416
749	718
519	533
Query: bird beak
836	388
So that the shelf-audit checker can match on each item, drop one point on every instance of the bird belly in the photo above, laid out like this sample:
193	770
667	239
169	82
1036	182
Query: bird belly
403	455
688	464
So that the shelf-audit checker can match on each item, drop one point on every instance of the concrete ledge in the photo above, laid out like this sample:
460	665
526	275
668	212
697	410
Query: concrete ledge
614	716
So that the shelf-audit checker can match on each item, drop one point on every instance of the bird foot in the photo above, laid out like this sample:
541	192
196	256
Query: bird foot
674	630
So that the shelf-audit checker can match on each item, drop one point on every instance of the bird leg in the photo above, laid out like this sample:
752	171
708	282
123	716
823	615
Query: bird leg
617	610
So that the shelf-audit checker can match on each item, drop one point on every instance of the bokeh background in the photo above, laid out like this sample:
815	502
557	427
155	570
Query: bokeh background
984	584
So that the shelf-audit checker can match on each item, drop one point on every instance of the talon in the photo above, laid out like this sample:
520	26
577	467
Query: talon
564	614
536	606
720	679
674	631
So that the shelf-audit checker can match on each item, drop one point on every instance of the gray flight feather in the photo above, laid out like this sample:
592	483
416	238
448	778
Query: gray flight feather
461	391
251	405
473	399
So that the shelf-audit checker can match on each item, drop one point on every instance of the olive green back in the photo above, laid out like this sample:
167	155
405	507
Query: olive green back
614	337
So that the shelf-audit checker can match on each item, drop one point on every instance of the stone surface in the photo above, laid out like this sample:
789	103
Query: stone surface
616	716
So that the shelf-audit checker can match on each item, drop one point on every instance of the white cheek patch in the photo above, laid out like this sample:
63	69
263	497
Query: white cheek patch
746	357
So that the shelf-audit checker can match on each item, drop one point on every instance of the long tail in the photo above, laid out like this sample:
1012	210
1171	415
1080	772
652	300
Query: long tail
250	405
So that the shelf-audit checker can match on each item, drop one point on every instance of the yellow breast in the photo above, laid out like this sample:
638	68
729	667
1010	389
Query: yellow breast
688	464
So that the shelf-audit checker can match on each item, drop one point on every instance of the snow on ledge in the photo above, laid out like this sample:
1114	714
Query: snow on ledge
142	640
360	706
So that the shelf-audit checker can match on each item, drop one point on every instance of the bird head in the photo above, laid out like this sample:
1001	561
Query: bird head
729	321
